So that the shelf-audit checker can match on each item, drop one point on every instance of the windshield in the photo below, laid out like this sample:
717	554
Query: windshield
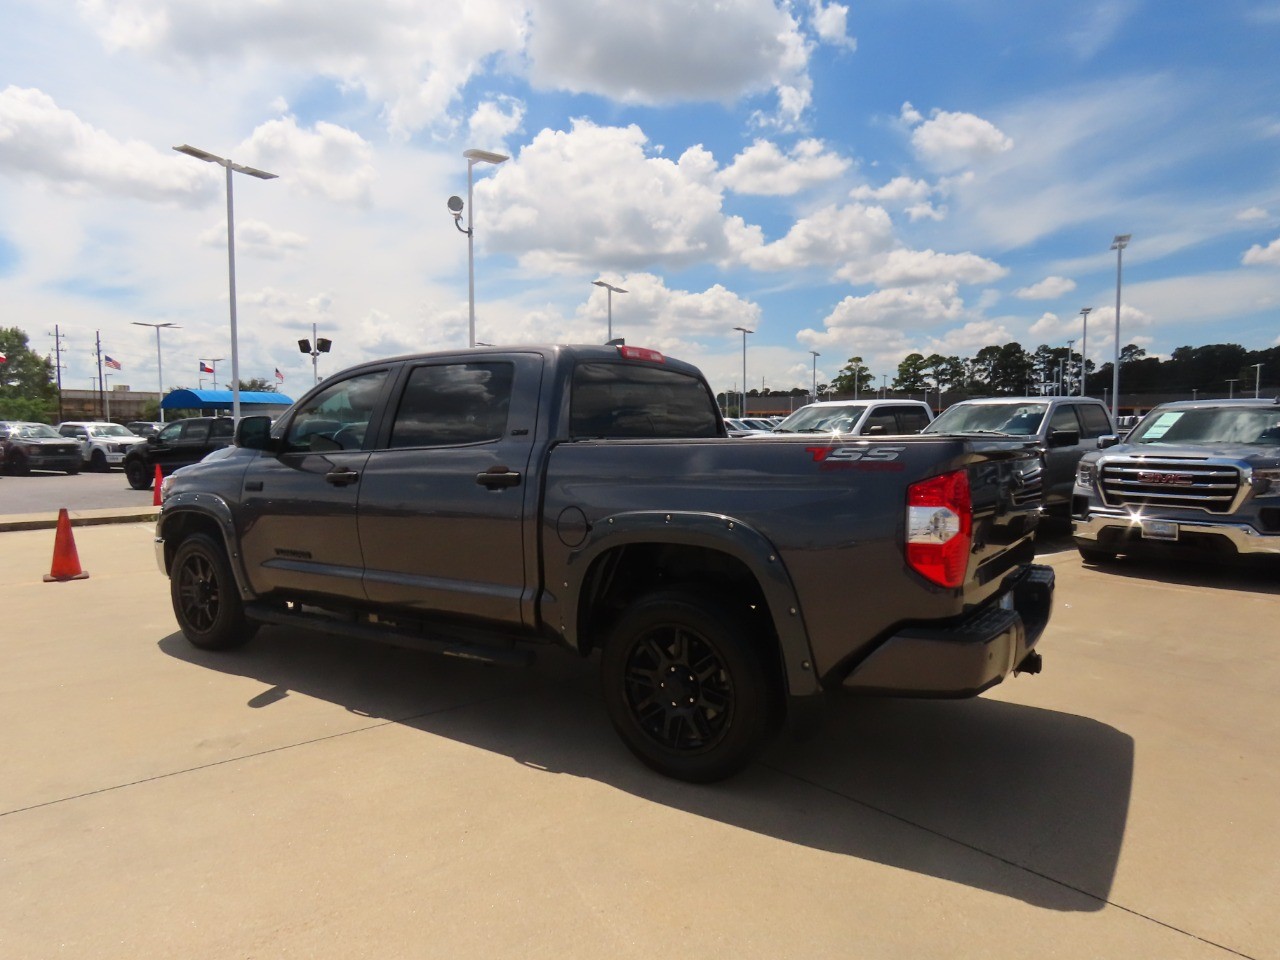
109	430
1016	418
815	419
1220	425
38	431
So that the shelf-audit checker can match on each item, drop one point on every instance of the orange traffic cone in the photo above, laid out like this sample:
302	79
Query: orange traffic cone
66	562
155	497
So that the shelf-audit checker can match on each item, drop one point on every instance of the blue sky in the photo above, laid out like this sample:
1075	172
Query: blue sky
861	180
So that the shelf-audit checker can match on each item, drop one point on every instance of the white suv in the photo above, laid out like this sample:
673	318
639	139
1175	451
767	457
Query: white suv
859	417
102	445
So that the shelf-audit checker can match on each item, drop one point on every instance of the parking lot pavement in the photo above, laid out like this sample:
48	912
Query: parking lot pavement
314	798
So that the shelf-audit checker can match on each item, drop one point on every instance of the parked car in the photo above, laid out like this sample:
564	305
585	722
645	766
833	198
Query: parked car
1062	428
37	446
144	428
1200	476
490	503
740	428
859	418
179	444
102	444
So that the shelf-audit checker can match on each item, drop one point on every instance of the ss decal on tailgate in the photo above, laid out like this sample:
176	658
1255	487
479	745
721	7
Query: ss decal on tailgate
856	458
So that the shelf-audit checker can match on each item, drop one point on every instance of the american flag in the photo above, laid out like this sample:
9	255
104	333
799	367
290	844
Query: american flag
279	376
113	364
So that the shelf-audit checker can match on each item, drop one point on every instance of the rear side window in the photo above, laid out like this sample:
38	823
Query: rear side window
222	428
630	401
912	419
1095	420
451	403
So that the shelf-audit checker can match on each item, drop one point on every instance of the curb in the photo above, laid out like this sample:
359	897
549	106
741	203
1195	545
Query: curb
79	518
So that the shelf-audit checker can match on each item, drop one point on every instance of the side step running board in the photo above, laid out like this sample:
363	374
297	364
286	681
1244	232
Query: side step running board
508	656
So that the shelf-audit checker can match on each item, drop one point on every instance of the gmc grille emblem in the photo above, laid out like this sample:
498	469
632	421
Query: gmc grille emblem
1172	479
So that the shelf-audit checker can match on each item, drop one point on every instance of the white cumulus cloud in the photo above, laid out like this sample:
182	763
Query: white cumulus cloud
763	169
327	160
950	141
1046	289
1258	254
903	268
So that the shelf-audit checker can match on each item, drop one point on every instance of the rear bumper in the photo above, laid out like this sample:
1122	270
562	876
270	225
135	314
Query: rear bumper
962	660
1117	532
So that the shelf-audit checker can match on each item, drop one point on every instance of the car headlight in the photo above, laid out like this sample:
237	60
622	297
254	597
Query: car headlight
1266	483
1084	474
165	486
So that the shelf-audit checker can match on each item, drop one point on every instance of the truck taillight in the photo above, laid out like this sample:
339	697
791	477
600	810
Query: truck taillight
641	353
940	528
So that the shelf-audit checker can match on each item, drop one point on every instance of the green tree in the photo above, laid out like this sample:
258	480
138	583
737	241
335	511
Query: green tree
257	385
27	390
911	374
854	378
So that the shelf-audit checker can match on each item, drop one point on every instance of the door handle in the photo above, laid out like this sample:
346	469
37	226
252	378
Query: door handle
341	476
497	478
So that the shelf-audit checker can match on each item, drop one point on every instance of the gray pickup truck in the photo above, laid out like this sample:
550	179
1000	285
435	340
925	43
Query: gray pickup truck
1198	475
488	502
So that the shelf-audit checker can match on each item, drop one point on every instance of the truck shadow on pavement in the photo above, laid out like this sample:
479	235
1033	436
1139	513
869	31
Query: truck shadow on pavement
1020	801
1245	574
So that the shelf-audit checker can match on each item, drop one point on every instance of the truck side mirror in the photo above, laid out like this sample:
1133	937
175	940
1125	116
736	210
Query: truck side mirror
1064	438
254	433
1109	440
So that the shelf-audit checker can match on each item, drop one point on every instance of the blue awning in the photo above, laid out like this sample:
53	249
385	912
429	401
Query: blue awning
258	401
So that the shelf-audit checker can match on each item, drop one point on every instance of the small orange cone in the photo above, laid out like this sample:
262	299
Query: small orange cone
66	562
155	497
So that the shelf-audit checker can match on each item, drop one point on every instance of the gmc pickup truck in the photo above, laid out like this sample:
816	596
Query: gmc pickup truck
1200	476
488	502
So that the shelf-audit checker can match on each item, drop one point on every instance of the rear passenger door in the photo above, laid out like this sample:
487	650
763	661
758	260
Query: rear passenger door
447	501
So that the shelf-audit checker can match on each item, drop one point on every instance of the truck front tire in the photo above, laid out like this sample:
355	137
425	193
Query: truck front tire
205	598
135	471
686	686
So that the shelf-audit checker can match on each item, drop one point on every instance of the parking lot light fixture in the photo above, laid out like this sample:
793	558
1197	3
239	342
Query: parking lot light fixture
230	167
1084	347
612	290
1257	379
745	331
816	355
159	365
1118	244
455	206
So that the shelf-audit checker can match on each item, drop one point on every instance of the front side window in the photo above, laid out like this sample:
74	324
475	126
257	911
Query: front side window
1095	420
197	431
170	433
1064	418
336	418
446	404
630	401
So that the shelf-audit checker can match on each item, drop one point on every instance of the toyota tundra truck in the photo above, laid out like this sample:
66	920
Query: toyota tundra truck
1199	476
491	502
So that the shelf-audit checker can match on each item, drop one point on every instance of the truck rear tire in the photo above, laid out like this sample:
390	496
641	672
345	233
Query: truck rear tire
98	462
206	600
686	686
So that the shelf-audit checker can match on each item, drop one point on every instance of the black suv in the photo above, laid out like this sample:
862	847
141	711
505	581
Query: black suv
180	444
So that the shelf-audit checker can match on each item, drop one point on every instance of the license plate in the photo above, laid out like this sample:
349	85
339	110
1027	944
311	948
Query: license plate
1159	530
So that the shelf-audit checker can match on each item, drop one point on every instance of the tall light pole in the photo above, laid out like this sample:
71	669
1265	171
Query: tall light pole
1118	244
816	355
1257	379
1084	344
231	255
745	331
455	207
612	290
213	368
1231	388
315	346
1067	376
159	366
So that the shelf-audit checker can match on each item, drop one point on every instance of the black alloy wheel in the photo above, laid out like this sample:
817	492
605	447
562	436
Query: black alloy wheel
686	686
205	597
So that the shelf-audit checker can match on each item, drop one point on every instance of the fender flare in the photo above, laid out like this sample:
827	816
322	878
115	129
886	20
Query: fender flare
207	506
717	532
